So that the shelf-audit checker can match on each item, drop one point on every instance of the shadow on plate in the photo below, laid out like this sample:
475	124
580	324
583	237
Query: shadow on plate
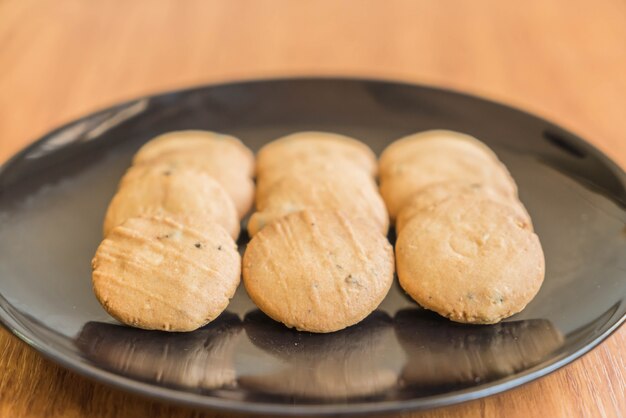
444	356
360	361
199	360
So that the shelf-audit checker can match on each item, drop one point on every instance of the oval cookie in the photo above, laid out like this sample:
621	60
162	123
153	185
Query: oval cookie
235	182
472	261
188	196
354	193
291	149
431	196
406	179
212	146
154	273
405	149
335	166
318	271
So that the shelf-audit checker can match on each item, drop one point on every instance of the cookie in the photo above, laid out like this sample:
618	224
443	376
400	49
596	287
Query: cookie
405	179
330	165
318	271
473	261
294	148
235	181
405	149
213	146
155	273
355	193
188	196
431	196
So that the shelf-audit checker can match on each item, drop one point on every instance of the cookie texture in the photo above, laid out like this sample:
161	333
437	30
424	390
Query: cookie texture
213	146
406	179
318	271
413	146
236	183
312	164
354	193
155	273
298	147
430	197
188	196
470	260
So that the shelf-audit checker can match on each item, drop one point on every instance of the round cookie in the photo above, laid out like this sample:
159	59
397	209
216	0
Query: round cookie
235	182
155	273
318	271
354	193
405	149
431	196
213	146
470	260
406	179
330	165
294	148
188	196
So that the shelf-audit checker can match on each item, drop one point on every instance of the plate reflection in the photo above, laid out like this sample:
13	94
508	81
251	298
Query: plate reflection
415	354
444	355
202	359
358	361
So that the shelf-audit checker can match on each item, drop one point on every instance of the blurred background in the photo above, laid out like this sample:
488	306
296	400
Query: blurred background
563	60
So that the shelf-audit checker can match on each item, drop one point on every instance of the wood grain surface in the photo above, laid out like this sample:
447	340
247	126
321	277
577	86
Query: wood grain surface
565	60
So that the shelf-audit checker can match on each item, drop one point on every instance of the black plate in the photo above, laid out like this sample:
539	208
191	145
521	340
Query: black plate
53	196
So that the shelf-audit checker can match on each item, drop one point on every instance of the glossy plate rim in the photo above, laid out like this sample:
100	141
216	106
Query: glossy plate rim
197	400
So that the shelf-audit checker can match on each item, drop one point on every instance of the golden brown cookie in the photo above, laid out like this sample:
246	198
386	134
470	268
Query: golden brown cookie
352	192
318	271
213	146
188	196
330	165
473	261
431	196
294	148
155	273
405	149
403	180
232	178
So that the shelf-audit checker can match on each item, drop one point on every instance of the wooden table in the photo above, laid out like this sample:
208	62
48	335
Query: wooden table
565	60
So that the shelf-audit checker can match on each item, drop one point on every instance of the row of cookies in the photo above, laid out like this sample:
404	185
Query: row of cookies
319	259
465	247
169	260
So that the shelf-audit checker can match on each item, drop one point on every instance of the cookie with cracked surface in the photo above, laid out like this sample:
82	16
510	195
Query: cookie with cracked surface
354	193
407	148
293	148
156	273
186	195
318	271
407	178
231	177
213	146
431	196
470	261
